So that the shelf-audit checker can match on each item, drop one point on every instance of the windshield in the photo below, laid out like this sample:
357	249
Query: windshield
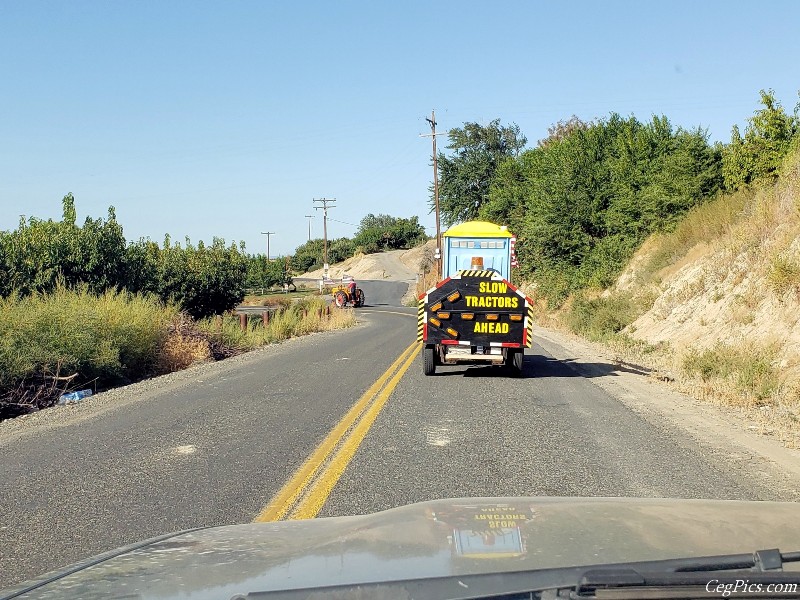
264	263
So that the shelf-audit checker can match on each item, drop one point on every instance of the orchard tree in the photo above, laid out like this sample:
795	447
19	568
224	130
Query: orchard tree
262	273
39	255
204	280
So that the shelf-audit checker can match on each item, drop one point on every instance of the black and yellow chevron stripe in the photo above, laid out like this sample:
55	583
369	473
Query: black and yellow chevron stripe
420	318
529	331
474	273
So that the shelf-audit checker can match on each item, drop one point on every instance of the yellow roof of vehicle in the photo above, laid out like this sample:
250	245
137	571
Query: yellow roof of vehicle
478	229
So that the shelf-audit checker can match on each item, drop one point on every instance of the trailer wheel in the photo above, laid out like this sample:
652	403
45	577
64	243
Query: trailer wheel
341	299
429	360
516	358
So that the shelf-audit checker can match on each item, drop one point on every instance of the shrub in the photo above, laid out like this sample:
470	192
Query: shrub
600	318
95	341
784	275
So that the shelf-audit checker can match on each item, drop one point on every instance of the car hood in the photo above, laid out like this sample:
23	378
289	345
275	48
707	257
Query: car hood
425	540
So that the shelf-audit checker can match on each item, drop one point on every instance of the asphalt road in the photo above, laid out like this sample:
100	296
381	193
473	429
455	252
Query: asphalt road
212	445
473	431
208	446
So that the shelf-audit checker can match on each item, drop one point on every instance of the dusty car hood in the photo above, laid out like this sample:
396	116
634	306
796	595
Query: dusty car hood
431	539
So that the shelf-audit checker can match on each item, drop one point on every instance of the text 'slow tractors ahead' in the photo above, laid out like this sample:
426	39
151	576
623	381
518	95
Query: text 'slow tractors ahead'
474	316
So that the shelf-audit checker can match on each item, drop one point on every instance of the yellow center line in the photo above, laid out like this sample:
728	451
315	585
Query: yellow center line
315	498
287	496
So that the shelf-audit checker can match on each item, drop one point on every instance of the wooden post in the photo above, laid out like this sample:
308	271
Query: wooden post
265	317
243	321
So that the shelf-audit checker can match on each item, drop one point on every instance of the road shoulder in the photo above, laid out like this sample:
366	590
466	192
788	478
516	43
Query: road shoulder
721	431
120	398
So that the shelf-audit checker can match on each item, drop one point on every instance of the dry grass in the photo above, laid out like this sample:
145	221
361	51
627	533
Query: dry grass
72	339
426	282
743	374
784	275
184	346
708	221
310	315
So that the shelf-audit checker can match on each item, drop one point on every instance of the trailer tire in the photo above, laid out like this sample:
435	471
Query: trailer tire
429	360
517	357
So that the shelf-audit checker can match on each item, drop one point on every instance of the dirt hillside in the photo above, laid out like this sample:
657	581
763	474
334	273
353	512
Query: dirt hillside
737	288
394	265
722	302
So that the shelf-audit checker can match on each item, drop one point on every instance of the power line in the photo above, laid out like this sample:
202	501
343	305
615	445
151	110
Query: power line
343	222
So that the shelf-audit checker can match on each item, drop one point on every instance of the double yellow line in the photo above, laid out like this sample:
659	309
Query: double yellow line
306	492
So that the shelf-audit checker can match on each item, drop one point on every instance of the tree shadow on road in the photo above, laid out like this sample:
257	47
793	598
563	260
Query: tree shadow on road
536	366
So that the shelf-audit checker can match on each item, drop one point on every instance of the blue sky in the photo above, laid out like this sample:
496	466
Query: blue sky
227	118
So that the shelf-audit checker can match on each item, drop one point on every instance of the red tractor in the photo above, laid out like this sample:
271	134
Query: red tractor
342	296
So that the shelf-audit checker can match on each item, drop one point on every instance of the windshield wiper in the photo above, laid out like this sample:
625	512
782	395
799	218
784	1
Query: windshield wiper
757	575
762	560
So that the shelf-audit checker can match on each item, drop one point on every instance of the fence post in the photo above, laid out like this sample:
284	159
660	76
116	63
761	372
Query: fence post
265	317
243	321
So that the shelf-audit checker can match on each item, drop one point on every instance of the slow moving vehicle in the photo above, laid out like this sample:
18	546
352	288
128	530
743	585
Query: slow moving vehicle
347	293
475	314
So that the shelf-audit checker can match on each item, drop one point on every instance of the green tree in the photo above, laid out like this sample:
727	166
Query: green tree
476	153
142	266
264	274
383	232
767	139
41	254
583	201
307	256
562	129
340	249
204	280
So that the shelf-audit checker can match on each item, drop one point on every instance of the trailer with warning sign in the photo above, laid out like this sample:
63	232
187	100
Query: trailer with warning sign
475	314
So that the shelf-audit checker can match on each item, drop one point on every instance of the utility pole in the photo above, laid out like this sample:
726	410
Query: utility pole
267	233
323	204
433	135
309	217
